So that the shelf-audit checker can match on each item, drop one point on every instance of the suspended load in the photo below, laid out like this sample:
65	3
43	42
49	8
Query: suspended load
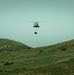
36	25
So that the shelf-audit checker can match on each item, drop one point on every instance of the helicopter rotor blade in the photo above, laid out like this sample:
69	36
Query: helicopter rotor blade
35	21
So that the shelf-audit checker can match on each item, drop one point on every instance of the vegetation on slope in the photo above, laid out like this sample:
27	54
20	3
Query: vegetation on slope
50	60
11	45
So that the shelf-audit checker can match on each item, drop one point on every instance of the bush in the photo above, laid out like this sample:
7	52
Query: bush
5	70
1	71
24	68
63	49
40	51
11	50
7	63
29	47
2	62
15	69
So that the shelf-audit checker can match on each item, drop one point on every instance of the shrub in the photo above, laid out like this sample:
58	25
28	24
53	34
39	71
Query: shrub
7	63
63	49
5	70
11	63
11	50
24	68
15	69
2	62
40	51
1	71
29	47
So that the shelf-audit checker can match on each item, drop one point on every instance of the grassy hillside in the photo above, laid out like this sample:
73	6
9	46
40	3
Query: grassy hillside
57	59
11	45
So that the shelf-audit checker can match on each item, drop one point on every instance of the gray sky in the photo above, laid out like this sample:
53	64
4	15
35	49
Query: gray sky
57	17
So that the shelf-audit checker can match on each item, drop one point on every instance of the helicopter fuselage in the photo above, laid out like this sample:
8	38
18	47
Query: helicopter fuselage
36	25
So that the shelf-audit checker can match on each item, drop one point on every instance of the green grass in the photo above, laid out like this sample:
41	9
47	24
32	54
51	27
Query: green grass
11	45
57	59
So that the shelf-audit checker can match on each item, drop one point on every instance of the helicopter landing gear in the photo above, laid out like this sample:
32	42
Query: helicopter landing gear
35	32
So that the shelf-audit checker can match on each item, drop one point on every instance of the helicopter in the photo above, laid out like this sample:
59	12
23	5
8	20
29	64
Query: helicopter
36	25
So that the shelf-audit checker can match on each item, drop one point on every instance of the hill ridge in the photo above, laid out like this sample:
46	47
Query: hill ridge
56	59
8	44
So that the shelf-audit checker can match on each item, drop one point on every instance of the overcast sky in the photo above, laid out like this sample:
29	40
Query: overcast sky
17	17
